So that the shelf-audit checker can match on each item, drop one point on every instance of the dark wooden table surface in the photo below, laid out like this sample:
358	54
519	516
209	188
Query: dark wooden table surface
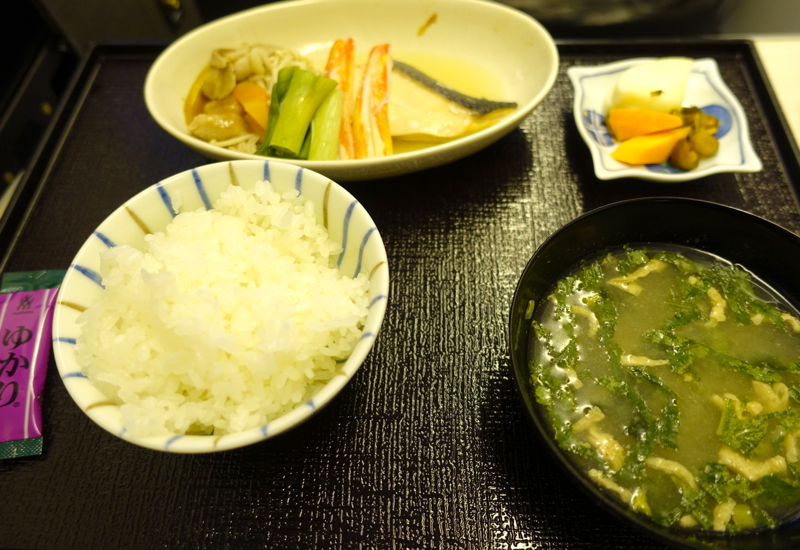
427	447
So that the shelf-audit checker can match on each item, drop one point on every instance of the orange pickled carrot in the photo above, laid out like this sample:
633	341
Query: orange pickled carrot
651	148
624	123
371	134
340	69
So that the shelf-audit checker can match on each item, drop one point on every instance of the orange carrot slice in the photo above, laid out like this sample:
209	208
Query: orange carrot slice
340	69
624	123
371	135
255	127
650	149
255	101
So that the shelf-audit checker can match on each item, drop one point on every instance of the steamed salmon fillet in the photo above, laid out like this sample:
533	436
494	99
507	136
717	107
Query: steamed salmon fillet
340	69
371	134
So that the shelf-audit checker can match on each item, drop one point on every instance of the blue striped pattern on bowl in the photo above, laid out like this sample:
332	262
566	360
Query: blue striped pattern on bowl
150	211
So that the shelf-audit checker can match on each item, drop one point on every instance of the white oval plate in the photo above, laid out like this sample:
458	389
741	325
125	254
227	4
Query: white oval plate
706	89
507	43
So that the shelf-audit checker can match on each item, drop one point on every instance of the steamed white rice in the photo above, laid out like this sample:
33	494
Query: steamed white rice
229	319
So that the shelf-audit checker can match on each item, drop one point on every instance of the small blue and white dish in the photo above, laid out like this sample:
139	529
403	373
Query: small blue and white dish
151	211
706	89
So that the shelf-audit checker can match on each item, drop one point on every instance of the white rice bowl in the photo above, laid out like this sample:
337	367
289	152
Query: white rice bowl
228	319
258	385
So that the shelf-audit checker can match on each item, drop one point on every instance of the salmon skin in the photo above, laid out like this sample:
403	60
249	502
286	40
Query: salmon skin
479	105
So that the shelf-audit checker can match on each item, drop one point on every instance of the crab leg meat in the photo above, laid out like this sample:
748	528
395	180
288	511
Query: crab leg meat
371	134
340	69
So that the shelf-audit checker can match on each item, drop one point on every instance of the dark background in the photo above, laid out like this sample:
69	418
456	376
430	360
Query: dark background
427	447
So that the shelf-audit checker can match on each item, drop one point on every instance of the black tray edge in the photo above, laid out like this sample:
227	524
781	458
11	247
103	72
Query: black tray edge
785	142
25	197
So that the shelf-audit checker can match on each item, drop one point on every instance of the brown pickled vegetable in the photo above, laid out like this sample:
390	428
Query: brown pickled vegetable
700	143
696	118
683	156
703	143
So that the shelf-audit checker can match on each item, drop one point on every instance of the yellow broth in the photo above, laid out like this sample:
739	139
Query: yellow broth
629	345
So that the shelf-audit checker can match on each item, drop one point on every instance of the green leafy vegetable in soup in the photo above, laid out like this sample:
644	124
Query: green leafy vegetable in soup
674	382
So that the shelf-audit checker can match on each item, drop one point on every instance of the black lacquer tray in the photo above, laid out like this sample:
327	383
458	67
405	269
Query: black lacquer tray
427	447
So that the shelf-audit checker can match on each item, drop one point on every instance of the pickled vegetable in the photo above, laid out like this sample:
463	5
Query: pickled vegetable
683	156
659	85
626	123
684	146
650	149
704	144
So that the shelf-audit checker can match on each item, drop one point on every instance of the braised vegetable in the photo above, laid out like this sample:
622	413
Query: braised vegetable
325	127
305	94
298	96
255	101
244	75
278	92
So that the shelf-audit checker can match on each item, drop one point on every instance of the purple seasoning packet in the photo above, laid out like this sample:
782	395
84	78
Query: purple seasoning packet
26	319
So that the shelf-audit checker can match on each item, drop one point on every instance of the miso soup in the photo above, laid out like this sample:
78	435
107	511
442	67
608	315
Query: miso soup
672	378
